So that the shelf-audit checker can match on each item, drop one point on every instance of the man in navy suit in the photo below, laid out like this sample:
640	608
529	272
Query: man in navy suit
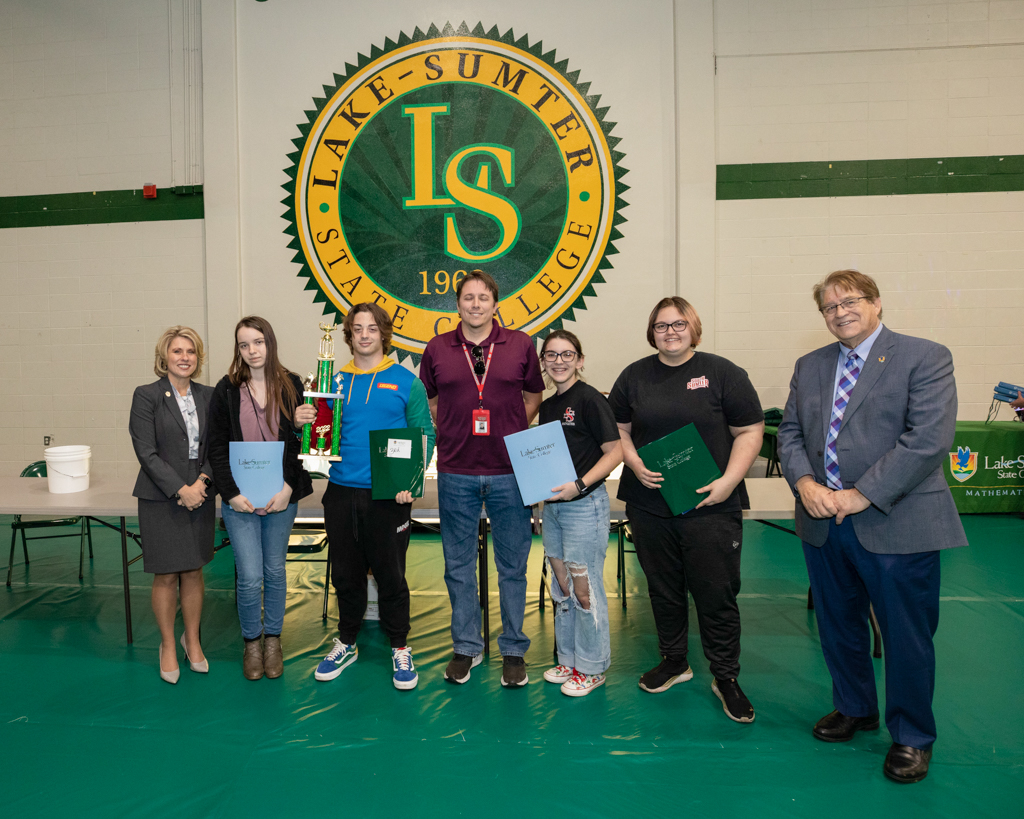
867	425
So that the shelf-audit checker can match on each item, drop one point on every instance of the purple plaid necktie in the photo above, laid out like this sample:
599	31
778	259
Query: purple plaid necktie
844	390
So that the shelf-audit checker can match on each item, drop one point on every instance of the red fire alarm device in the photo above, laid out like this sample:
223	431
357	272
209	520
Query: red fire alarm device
149	191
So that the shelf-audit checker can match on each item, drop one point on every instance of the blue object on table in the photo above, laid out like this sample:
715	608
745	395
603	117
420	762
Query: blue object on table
540	460
258	469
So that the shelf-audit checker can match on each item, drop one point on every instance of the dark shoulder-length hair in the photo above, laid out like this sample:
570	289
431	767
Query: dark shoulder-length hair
380	318
281	394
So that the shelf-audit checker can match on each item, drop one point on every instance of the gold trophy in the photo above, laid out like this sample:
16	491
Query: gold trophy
328	436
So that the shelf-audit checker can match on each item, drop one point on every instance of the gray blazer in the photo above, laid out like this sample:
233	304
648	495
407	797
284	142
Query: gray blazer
160	440
896	431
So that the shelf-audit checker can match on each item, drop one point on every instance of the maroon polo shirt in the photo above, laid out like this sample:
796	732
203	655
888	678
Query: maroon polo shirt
445	373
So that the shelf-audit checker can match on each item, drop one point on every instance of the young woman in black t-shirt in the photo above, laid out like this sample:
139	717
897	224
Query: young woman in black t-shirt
697	551
576	519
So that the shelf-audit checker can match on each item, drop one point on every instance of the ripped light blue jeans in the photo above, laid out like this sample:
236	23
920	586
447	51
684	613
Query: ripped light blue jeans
576	538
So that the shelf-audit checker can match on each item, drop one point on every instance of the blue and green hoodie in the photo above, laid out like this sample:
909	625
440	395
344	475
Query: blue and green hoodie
387	397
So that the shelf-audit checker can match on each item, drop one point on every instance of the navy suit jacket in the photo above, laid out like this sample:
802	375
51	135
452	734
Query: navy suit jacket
897	429
160	440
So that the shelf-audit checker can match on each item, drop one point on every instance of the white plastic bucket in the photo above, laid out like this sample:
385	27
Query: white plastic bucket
67	468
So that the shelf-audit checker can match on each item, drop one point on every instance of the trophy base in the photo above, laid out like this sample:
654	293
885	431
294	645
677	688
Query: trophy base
331	458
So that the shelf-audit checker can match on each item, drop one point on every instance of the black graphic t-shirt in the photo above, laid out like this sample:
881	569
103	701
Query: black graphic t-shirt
708	391
587	422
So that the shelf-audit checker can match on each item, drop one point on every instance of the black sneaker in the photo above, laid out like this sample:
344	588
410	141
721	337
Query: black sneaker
458	669
666	675
513	672
734	702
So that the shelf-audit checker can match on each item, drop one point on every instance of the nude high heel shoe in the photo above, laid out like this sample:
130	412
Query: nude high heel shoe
166	676
202	668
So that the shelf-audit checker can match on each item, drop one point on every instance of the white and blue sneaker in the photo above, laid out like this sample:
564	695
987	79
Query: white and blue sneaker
338	660
405	672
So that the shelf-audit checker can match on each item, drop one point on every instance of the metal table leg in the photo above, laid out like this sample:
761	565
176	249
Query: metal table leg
124	568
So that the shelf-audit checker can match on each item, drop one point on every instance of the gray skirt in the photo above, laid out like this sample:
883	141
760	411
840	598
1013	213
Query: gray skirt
174	539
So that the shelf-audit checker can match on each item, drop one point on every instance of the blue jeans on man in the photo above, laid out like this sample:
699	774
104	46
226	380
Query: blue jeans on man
460	500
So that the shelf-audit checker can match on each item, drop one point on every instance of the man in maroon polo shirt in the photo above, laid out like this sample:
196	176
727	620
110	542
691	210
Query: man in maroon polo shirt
483	382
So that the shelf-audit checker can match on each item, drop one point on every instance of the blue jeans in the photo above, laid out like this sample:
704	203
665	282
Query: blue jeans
460	498
576	533
260	544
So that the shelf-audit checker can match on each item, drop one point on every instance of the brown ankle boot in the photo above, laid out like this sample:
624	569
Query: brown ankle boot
273	658
252	660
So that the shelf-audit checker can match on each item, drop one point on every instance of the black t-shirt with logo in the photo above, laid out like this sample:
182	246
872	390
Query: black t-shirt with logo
708	391
587	422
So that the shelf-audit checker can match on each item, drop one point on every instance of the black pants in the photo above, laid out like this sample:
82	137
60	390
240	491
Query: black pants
702	555
368	535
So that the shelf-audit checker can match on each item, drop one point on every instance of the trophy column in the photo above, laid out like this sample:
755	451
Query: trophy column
326	443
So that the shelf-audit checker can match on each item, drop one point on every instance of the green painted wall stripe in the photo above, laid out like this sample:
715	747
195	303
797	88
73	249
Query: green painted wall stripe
101	207
872	177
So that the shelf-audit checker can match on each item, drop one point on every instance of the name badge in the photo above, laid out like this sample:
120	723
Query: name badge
481	422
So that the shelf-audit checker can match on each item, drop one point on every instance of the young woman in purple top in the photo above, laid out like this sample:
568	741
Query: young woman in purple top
259	400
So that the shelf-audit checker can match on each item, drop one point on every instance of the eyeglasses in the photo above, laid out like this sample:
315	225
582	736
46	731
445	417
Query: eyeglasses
662	327
568	356
846	304
479	367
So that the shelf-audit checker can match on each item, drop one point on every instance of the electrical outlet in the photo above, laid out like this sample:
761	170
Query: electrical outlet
47	439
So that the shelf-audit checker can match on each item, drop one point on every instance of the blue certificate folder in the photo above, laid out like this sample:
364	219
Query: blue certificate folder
258	469
540	459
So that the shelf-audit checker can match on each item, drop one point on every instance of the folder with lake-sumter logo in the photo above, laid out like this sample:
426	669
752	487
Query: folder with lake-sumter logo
686	465
398	462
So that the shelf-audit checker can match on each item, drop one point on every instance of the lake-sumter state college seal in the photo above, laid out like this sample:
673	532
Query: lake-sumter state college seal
447	151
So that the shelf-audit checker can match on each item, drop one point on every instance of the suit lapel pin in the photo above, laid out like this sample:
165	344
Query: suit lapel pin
168	394
881	359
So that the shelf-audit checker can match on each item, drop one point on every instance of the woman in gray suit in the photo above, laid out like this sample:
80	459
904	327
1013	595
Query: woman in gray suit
176	498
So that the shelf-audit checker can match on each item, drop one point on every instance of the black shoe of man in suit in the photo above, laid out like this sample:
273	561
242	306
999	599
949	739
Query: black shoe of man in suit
837	727
905	764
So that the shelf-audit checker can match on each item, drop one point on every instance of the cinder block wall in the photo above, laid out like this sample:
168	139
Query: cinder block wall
84	106
851	90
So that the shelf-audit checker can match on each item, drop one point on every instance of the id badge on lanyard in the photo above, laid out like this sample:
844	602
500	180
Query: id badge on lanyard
481	422
481	417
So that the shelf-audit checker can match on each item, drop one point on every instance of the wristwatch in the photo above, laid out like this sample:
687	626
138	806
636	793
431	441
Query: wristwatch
206	480
580	486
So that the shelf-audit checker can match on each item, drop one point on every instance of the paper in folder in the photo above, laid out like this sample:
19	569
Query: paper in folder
540	460
398	462
258	469
686	465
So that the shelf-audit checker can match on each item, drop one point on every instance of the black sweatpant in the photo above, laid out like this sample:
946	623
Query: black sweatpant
370	535
700	554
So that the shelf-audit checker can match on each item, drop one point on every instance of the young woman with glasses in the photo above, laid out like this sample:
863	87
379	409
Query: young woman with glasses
576	519
698	551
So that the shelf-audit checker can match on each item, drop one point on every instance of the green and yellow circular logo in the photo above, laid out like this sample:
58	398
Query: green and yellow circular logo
448	151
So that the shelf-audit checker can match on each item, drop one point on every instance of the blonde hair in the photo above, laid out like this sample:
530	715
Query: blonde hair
163	344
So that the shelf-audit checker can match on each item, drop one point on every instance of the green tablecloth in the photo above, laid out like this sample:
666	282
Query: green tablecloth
985	470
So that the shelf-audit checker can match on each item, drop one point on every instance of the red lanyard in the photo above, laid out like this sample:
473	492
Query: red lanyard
479	382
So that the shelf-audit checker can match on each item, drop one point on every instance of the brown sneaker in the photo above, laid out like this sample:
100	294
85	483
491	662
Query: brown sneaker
273	659
252	660
513	672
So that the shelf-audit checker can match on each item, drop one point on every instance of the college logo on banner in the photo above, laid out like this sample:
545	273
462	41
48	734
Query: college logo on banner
963	463
449	151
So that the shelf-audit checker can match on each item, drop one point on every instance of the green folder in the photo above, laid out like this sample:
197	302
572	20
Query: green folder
398	462
686	465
